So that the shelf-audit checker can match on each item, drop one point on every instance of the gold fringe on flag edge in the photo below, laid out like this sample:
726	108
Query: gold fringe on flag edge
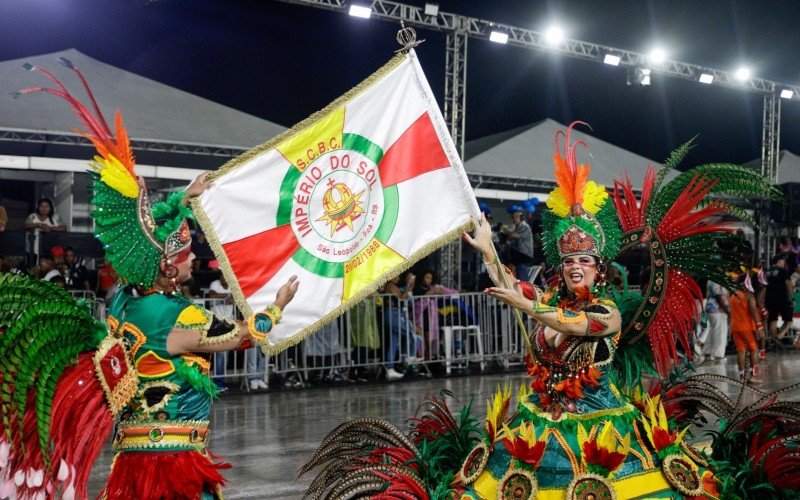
245	157
222	258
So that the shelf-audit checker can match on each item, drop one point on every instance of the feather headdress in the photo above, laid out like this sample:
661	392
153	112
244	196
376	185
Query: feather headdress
135	234
578	220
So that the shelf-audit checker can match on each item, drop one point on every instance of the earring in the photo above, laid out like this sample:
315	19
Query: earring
601	274
171	272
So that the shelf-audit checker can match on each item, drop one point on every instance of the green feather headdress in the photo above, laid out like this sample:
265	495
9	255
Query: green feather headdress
135	234
579	219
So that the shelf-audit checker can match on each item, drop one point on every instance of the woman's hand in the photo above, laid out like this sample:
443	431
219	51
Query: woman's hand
286	292
512	297
482	240
198	185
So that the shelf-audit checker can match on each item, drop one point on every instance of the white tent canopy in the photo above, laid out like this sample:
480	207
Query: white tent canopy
152	110
788	166
528	152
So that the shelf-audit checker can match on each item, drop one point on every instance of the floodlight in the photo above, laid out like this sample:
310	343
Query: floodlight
431	9
787	94
742	73
706	78
657	56
554	35
499	37
612	59
639	76
360	11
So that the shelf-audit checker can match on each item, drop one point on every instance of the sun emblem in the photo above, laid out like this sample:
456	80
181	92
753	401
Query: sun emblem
341	206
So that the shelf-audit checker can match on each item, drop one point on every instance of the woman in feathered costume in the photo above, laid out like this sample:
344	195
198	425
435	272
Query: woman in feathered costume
68	380
606	412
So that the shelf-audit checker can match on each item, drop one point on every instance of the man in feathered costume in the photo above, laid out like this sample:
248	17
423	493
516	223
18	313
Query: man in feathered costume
607	410
68	380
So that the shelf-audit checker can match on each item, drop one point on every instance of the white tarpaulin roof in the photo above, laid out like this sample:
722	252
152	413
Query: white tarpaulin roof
788	166
152	110
528	152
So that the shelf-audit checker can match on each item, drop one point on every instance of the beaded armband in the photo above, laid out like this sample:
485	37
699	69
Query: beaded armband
542	308
598	318
567	317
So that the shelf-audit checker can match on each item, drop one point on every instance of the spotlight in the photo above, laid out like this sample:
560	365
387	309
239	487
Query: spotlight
554	35
360	11
706	78
431	9
742	73
611	59
639	76
787	94
498	37
657	56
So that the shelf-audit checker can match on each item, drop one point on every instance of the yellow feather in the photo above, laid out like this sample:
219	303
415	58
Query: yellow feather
594	197
662	418
557	202
115	175
523	392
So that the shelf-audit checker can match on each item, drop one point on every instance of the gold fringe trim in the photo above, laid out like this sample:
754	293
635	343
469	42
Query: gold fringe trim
231	165
125	389
234	163
425	250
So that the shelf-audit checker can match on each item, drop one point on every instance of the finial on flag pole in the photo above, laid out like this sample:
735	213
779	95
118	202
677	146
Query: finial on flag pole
407	37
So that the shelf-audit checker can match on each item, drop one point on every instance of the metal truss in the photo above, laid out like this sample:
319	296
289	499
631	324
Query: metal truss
494	181
450	264
770	158
536	40
455	86
64	139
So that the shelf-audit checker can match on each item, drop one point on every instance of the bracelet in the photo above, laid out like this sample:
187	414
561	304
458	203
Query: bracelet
274	314
251	327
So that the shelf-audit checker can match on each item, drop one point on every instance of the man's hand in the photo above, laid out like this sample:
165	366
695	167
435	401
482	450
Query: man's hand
286	293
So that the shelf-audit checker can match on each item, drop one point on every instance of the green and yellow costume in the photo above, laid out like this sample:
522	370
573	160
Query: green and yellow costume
607	411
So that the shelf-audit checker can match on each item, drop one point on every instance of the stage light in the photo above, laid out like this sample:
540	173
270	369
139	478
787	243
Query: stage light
742	73
787	94
638	76
498	37
611	59
645	76
554	35
657	56
360	11
706	78
431	9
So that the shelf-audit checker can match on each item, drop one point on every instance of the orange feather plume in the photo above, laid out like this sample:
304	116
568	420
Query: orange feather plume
571	177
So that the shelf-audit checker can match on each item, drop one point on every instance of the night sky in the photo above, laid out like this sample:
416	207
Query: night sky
282	62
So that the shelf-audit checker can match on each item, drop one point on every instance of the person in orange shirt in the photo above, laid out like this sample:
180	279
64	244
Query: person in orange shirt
745	323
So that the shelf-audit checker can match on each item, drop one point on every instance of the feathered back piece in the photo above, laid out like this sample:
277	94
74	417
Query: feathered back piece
55	418
578	219
680	224
136	235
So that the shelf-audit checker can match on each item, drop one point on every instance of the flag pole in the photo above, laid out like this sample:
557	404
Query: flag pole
502	272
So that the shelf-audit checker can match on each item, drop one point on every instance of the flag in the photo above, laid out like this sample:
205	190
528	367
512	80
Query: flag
346	200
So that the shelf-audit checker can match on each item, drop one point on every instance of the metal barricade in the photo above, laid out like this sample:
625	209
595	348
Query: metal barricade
458	331
428	334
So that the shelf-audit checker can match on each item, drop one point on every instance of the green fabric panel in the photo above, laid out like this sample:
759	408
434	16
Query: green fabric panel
390	203
288	184
363	145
